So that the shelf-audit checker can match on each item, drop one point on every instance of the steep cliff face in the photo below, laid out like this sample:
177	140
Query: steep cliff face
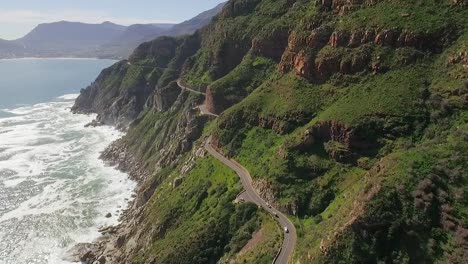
118	95
339	110
120	92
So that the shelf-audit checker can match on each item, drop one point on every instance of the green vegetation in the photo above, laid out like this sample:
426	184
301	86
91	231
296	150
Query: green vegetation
395	93
226	42
363	145
267	241
197	221
241	81
425	17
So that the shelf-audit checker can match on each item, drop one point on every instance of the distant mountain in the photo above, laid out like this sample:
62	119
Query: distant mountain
105	40
125	43
69	37
190	26
142	31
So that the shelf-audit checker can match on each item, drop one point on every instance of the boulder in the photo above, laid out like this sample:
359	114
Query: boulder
177	182
80	252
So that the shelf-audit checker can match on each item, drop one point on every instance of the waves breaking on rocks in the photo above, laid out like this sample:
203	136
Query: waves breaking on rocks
54	190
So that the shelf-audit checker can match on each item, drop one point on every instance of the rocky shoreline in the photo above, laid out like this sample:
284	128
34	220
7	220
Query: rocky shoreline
106	248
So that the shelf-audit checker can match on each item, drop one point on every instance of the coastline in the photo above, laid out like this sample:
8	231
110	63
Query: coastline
105	247
115	182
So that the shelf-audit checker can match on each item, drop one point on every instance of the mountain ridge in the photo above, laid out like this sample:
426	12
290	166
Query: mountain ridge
351	117
102	40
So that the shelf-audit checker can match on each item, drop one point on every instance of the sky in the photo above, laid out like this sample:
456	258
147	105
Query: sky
18	17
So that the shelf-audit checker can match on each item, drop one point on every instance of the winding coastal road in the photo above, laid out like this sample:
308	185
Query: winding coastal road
203	109
250	195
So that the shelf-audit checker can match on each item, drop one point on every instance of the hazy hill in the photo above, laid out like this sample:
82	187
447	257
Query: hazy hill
189	26
68	37
107	40
126	42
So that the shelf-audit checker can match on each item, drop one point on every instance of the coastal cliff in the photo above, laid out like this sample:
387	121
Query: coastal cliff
350	116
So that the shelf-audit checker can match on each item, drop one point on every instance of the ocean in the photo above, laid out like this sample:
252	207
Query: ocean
54	190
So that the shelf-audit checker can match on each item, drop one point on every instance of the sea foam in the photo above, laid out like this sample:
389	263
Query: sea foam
54	190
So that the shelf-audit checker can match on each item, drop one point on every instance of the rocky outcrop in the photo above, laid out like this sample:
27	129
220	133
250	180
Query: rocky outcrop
340	141
342	7
339	38
210	102
156	53
115	102
326	131
163	98
272	47
305	56
269	194
121	91
303	65
459	58
387	37
82	252
118	154
238	8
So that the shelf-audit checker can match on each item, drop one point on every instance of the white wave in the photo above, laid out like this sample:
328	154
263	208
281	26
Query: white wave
60	191
68	96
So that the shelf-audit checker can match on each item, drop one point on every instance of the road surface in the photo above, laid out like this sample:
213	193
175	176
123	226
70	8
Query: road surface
250	194
183	87
203	109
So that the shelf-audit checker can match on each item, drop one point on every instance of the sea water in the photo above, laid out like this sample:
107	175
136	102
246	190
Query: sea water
54	190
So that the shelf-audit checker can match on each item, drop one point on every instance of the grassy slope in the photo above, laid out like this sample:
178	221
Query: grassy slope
197	221
323	188
266	248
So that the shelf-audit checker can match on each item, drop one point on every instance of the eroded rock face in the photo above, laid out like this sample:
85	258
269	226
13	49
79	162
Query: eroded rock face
121	91
210	102
237	8
319	37
268	193
401	38
342	140
325	67
160	50
338	38
342	7
331	130
118	154
295	44
302	55
163	98
113	104
303	64
273	47
81	252
460	58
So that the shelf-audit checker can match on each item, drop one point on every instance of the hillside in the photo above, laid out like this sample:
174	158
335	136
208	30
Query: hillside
199	21
123	44
351	117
